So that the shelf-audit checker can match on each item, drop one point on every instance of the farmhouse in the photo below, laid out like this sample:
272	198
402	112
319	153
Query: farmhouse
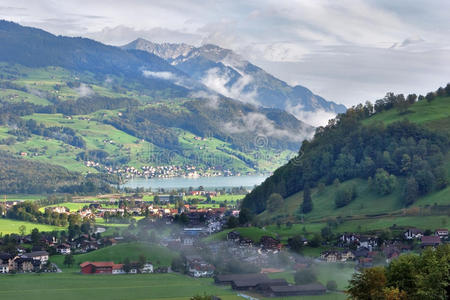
101	267
254	284
228	279
297	290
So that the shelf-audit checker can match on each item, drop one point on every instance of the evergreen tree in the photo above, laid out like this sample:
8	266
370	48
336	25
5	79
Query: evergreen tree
307	204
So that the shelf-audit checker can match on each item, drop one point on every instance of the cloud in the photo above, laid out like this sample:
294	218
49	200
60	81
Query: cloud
121	35
339	49
84	90
161	75
212	100
221	82
261	126
317	118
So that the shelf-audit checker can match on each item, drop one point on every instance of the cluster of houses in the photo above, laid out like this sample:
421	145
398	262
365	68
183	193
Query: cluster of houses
109	267
163	171
25	262
267	287
366	249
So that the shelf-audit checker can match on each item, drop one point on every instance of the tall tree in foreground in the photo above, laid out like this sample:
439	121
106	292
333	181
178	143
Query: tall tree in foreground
307	205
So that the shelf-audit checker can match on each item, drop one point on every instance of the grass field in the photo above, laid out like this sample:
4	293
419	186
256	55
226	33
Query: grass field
69	286
421	112
159	256
8	226
21	197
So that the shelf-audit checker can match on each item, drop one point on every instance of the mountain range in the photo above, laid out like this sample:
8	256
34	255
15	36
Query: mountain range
225	72
78	103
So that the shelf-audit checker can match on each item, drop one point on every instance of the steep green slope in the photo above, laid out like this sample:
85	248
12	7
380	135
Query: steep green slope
411	146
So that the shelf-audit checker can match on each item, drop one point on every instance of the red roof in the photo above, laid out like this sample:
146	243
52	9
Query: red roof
98	264
118	267
432	239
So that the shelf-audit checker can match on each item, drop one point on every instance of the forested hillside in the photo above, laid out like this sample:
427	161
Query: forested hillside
399	146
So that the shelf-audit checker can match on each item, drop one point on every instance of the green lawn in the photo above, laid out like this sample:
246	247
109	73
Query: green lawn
72	206
70	286
8	226
158	255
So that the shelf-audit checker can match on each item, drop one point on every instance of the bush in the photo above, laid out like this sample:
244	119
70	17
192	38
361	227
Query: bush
345	195
331	285
305	277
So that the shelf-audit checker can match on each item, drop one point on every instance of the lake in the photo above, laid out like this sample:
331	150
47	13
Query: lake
248	181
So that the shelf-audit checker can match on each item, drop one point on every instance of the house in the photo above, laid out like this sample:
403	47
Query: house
147	268
63	249
101	267
24	264
41	256
347	255
5	262
442	233
413	233
330	256
117	269
270	243
197	267
297	290
430	241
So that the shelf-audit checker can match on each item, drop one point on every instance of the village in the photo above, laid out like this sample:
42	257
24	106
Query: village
188	230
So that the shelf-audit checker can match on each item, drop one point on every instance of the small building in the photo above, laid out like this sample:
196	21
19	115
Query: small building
442	233
5	262
101	267
413	233
63	249
430	241
254	284
229	278
270	243
297	290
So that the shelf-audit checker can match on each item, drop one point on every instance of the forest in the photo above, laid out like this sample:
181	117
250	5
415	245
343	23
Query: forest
346	149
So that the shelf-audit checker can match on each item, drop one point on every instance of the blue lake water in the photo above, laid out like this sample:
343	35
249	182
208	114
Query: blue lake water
207	182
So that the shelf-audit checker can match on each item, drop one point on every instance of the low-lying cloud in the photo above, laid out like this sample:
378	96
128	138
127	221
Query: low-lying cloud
220	82
84	90
261	125
315	118
161	75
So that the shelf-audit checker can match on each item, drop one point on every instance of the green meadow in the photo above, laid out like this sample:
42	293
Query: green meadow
8	226
71	286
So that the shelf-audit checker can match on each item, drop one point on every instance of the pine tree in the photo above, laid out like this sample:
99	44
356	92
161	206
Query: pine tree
307	205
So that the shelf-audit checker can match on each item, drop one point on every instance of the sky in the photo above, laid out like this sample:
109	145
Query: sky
347	51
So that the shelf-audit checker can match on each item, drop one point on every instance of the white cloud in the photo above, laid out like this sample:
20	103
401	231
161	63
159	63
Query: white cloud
161	75
336	48
262	126
316	118
220	82
84	90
